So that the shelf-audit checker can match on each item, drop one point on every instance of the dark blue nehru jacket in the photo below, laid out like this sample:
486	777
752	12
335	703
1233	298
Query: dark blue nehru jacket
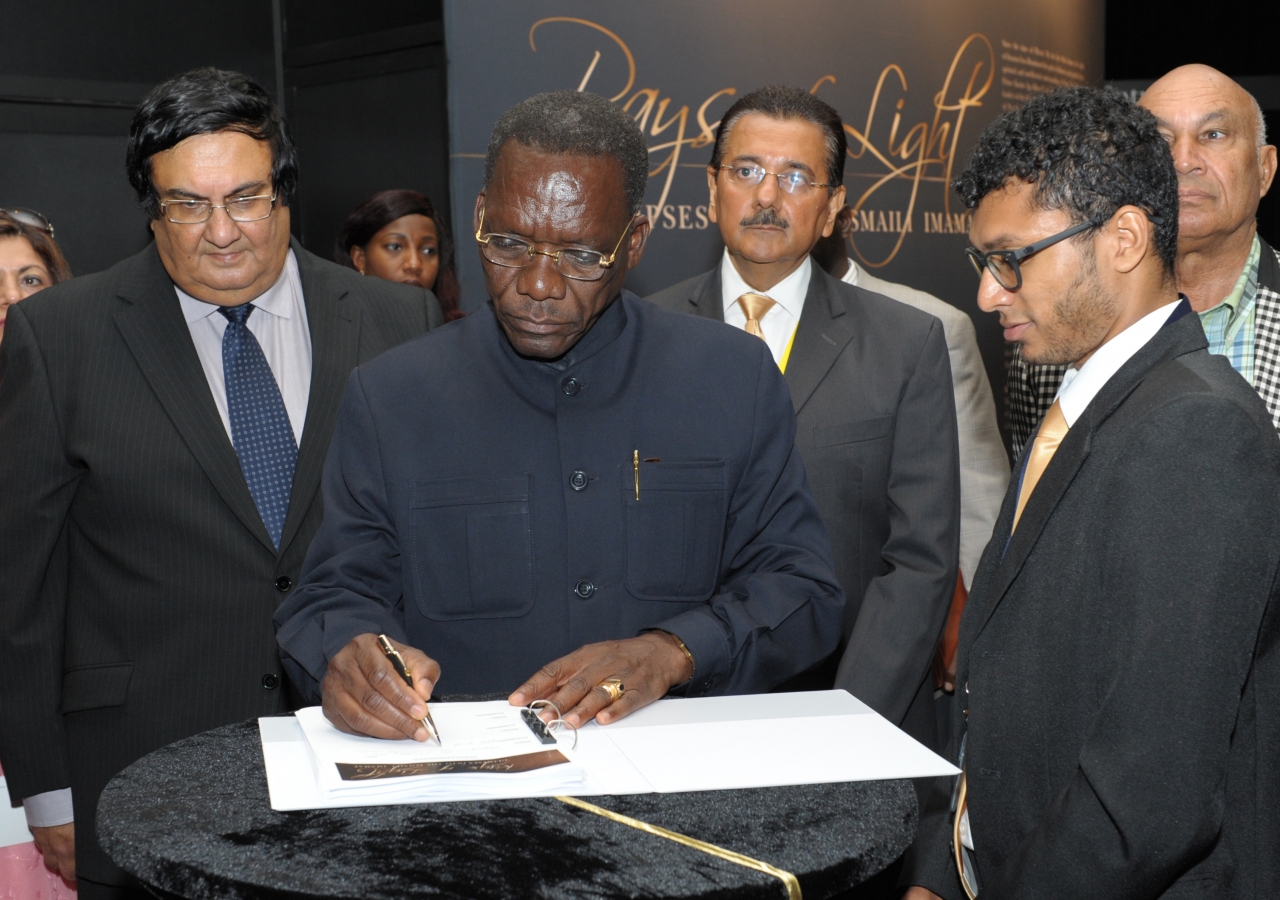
482	507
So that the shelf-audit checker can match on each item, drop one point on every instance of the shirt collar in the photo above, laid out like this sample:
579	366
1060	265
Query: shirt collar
1080	386
1245	289
789	293
851	276
277	300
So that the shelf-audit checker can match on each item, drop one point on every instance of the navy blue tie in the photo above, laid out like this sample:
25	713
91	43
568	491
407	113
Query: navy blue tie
260	429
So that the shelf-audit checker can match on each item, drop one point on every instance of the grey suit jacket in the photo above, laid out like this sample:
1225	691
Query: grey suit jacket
138	579
876	427
1119	655
984	464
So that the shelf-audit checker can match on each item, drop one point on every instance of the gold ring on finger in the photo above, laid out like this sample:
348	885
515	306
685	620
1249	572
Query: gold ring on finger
614	688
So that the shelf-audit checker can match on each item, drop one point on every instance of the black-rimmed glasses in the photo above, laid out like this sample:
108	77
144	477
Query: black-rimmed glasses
571	262
30	217
793	181
1004	265
197	212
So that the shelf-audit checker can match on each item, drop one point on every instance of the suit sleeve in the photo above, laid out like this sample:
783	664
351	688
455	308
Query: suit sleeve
1191	579
984	465
353	564
903	610
38	483
779	608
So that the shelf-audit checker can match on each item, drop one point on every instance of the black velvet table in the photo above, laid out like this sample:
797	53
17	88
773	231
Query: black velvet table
194	820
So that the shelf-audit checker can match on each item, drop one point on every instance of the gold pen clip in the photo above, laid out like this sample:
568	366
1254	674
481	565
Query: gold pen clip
635	461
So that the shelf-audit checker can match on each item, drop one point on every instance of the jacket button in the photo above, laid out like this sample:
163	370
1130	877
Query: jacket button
578	480
584	589
283	583
270	682
571	386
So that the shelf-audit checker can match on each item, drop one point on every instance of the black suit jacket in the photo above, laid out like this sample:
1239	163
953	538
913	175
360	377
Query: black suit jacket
870	384
138	579
1119	662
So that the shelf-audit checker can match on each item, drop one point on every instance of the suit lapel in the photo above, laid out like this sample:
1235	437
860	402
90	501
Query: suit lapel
706	300
1176	338
1266	374
156	333
334	322
825	327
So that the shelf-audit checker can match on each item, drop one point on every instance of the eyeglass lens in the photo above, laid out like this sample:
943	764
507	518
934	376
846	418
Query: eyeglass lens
748	176
194	212
32	218
503	250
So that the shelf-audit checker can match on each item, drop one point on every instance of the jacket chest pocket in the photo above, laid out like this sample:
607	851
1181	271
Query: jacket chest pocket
675	531
471	548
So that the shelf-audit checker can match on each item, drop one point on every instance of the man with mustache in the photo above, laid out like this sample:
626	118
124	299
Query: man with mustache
870	382
602	491
1218	137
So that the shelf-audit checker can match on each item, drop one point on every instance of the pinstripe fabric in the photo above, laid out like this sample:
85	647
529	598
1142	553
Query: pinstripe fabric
138	576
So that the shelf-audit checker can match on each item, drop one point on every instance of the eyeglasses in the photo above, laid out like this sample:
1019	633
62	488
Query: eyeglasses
515	253
793	182
1004	265
241	209
32	218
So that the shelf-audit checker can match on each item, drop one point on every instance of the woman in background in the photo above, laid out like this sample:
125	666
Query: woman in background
30	261
397	235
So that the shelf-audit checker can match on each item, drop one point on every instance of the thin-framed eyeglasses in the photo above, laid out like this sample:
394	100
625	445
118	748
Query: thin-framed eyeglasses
793	181
30	217
1005	266
571	262
197	212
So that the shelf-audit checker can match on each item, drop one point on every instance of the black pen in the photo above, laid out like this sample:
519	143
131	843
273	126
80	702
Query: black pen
397	663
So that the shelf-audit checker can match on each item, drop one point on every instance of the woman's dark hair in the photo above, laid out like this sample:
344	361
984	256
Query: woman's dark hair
206	101
1088	152
381	210
41	242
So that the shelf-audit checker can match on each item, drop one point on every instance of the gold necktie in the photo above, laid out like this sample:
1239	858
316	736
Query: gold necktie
1052	430
755	306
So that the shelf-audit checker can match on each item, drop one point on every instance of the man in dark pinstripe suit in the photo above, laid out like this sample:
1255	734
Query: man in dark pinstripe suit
164	424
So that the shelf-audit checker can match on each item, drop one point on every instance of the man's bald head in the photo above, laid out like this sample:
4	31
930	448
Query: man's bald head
1217	135
1201	78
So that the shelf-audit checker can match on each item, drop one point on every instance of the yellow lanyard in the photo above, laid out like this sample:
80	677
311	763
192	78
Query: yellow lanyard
786	354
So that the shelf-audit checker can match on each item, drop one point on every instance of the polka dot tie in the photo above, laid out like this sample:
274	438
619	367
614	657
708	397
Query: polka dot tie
260	429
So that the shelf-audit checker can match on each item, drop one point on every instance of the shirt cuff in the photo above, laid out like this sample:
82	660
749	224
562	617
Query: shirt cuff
48	809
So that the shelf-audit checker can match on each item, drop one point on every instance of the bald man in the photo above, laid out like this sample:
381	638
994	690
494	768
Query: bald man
1225	165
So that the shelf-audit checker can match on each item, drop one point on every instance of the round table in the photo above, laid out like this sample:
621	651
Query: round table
194	820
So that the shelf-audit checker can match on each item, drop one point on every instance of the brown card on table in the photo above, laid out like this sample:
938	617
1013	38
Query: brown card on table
525	762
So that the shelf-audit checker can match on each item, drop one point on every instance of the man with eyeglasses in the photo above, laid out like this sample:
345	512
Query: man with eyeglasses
870	381
1116	716
570	495
165	424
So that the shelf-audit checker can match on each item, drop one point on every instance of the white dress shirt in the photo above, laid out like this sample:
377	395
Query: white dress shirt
1080	386
779	323
279	322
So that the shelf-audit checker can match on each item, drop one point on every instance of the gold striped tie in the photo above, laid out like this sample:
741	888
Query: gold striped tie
755	306
1052	430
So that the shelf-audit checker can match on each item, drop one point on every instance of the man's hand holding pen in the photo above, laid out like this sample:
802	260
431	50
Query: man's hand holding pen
606	681
364	695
